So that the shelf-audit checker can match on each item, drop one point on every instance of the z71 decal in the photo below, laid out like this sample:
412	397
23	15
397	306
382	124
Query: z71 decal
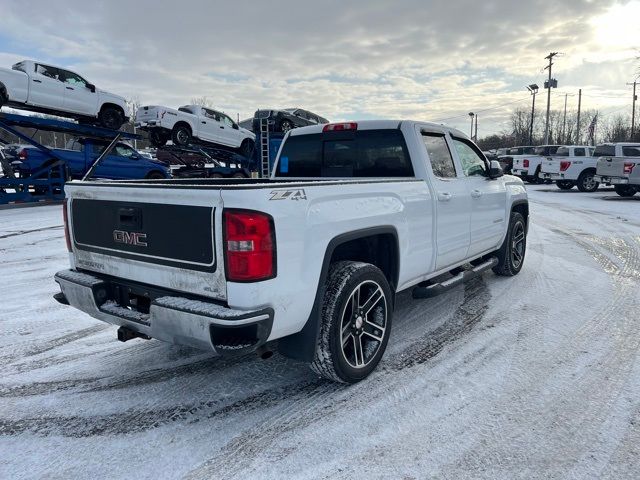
298	194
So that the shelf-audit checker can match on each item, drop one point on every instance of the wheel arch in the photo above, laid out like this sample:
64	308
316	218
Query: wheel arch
113	105
183	123
522	207
301	345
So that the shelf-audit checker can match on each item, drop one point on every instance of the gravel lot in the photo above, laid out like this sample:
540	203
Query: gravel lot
536	376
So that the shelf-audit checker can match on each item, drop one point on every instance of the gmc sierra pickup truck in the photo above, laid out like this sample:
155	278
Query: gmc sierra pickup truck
44	88
619	165
313	257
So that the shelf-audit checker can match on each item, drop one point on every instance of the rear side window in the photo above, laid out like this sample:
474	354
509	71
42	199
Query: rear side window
631	151
350	154
439	155
564	152
577	152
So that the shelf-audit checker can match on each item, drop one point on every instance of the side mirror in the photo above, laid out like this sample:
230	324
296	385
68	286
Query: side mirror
236	127
495	170
91	87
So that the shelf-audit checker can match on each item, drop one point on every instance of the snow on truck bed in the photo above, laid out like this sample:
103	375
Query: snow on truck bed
535	376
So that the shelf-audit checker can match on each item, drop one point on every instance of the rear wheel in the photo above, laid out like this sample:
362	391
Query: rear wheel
155	176
111	117
586	182
238	175
3	98
564	184
355	322
181	135
625	190
513	249
157	137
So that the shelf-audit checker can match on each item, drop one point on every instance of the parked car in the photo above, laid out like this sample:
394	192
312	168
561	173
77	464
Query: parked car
122	163
506	156
286	119
619	165
571	165
314	256
53	90
194	123
527	166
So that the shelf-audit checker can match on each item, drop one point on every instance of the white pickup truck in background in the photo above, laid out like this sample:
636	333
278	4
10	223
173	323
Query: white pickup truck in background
313	257
191	122
619	165
571	165
528	167
53	90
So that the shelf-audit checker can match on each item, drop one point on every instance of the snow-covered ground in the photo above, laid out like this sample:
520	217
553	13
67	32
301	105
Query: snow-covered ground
536	376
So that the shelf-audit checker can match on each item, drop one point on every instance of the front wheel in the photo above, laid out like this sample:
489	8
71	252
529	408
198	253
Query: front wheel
155	176
181	135
111	117
625	190
511	253
564	184
246	149
586	182
355	322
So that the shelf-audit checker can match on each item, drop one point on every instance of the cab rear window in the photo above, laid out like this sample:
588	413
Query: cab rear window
346	154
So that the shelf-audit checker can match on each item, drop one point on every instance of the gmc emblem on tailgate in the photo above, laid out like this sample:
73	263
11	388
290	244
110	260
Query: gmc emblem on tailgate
130	238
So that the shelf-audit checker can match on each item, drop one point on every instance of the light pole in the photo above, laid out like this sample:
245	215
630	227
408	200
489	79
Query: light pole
633	108
471	115
533	89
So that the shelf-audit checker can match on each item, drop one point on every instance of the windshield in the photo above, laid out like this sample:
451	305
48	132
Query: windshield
605	151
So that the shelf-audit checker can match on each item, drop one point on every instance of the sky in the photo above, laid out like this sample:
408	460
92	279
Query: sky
426	60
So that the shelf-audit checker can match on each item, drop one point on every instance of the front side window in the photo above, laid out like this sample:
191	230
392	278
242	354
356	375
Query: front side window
631	151
124	151
225	119
473	163
71	78
439	155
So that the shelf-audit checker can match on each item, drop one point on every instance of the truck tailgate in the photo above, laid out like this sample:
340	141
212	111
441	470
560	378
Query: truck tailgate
552	164
145	114
611	166
162	237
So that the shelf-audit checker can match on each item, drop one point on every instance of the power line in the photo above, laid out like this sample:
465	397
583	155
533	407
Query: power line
483	110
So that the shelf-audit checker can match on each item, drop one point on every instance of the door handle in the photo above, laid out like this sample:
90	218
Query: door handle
476	193
444	196
69	88
222	127
204	122
37	81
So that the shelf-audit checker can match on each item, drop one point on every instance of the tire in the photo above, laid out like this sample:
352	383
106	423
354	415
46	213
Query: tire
512	252
286	125
348	361
3	98
625	190
238	175
586	183
157	138
181	135
216	175
536	180
155	176
111	117
246	149
565	184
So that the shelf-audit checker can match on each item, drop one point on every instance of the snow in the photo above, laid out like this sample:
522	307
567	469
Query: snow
535	376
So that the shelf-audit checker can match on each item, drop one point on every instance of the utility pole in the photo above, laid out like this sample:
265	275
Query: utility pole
564	119
533	88
578	126
548	86
633	109
471	114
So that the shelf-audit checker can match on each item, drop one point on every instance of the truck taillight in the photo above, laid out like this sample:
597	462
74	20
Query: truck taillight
628	168
65	216
564	165
250	250
338	127
24	154
525	163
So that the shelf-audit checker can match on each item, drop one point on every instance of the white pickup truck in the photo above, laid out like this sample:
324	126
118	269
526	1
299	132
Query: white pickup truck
314	256
528	167
191	122
619	165
53	90
570	166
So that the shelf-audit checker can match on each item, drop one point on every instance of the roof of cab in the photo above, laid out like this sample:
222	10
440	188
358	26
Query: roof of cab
376	125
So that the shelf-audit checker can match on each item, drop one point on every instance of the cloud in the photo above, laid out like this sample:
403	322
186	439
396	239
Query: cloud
404	59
